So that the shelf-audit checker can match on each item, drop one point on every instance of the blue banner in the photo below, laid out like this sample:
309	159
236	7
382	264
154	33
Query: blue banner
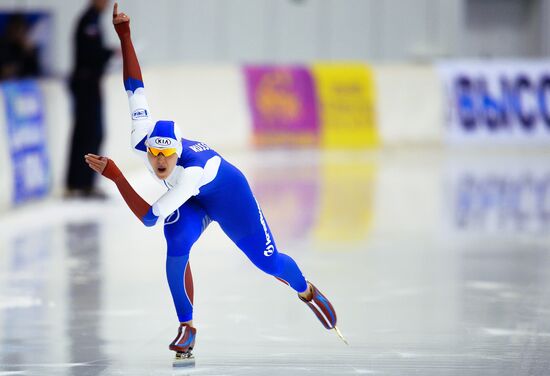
497	101
26	139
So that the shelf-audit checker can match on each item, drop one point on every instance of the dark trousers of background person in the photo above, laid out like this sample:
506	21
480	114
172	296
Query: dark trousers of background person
87	133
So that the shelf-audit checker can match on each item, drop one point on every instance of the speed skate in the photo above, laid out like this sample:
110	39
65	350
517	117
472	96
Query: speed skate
183	345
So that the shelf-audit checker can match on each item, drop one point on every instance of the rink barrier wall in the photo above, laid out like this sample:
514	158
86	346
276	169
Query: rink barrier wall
409	104
399	104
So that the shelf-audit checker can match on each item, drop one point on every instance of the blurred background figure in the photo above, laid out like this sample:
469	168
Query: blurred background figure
18	53
90	58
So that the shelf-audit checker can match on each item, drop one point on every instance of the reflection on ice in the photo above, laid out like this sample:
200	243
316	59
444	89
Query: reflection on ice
84	296
502	194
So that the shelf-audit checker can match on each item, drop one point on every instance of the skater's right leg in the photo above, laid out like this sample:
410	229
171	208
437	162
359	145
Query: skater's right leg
241	218
259	246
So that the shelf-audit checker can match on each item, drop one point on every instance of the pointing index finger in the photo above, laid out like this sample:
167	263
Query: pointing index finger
115	10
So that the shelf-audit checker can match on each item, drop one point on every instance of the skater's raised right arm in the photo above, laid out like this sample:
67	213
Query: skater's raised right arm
133	82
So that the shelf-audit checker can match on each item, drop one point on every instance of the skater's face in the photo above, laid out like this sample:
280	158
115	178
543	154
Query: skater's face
163	166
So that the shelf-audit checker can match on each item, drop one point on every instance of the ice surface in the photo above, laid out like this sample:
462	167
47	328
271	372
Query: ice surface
436	261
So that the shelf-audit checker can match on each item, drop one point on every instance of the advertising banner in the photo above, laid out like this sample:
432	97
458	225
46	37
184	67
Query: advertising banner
26	139
283	105
506	102
346	96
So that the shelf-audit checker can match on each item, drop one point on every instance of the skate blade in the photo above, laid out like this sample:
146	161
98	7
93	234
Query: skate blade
184	360
340	335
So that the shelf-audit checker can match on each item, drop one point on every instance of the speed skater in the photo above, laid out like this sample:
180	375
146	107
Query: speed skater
202	187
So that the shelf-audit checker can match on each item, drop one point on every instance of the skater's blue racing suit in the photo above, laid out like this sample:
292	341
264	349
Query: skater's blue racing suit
203	187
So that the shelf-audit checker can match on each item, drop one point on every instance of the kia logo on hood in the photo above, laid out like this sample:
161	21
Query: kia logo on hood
163	141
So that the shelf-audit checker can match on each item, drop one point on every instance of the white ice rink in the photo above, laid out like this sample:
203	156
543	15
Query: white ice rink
437	262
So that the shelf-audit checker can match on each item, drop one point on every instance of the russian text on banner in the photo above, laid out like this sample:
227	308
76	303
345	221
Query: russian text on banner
283	105
499	102
26	139
346	96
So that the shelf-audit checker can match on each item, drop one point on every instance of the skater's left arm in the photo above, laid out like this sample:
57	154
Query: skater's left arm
135	202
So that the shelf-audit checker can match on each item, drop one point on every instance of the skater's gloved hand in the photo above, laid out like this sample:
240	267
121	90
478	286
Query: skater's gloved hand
121	21
137	205
103	165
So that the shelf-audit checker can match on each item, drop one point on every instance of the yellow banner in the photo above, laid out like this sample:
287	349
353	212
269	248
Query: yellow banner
346	95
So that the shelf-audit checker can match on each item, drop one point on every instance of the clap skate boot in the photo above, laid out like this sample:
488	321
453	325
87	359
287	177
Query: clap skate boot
323	309
183	345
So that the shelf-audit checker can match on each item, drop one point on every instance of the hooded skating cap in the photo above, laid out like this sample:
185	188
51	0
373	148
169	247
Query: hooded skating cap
165	135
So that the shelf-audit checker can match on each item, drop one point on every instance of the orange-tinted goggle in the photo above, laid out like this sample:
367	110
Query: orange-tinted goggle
166	152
